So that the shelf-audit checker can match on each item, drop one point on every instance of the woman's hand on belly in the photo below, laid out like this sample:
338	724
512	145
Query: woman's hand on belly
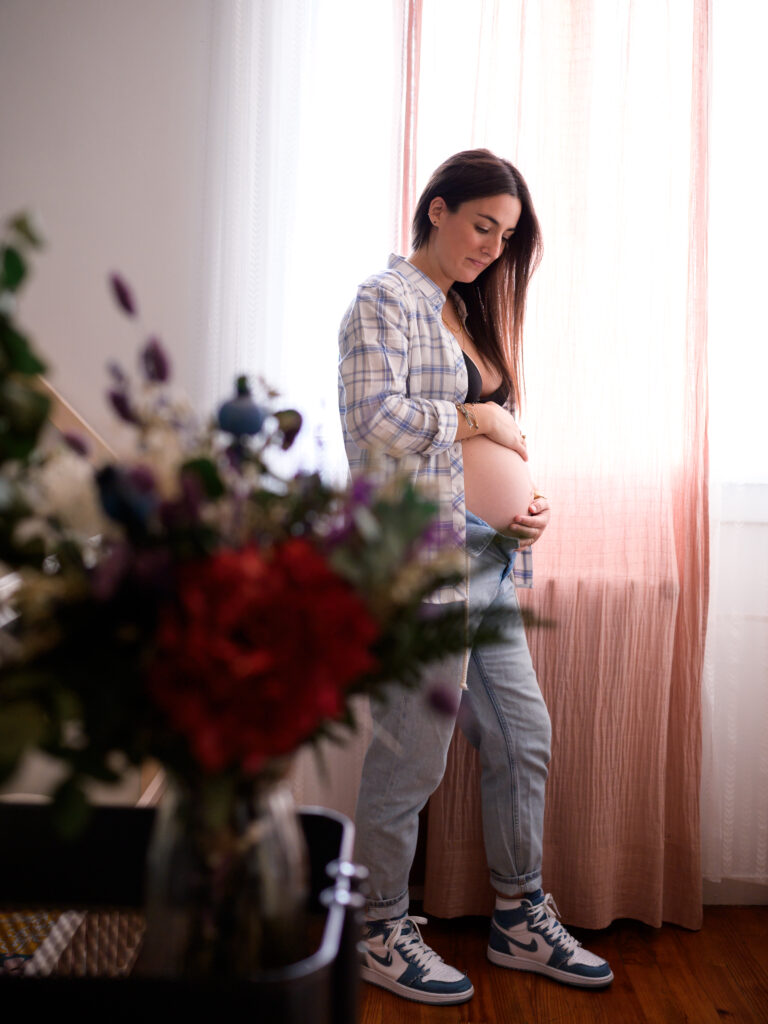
529	528
500	426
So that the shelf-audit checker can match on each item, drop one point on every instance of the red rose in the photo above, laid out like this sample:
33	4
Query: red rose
258	650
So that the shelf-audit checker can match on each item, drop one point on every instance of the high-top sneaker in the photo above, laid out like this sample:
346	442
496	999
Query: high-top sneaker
396	957
527	936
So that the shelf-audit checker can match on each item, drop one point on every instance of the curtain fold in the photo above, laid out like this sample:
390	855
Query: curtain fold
616	418
681	898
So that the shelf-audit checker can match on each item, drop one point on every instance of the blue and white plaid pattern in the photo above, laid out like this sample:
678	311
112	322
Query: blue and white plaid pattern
401	373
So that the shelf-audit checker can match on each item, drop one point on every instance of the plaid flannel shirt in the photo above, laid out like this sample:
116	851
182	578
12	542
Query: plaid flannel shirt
401	373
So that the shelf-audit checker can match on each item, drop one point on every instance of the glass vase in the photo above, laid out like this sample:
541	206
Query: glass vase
226	901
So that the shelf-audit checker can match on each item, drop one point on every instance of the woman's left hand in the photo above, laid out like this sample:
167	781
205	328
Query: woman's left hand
529	528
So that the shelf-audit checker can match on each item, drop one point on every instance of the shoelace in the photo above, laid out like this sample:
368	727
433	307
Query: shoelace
413	943
545	916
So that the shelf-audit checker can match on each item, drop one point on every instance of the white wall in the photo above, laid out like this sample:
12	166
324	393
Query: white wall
102	134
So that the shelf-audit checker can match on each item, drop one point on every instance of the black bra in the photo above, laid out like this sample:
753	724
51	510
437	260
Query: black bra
475	386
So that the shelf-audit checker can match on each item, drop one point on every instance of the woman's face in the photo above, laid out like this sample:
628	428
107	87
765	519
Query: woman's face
465	242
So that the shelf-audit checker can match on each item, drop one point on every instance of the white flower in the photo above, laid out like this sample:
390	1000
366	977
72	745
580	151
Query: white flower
63	489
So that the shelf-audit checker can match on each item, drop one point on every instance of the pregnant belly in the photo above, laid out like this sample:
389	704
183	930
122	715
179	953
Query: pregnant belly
497	482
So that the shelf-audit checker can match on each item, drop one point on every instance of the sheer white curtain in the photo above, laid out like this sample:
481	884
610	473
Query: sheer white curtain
304	168
256	109
303	131
735	769
591	101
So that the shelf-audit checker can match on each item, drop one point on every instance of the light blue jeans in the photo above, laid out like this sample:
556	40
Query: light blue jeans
503	716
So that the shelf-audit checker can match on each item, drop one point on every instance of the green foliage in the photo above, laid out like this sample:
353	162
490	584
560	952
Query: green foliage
206	472
24	409
17	353
14	269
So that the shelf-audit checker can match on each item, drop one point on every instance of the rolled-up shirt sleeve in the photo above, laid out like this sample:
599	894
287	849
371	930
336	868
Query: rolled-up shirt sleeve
378	365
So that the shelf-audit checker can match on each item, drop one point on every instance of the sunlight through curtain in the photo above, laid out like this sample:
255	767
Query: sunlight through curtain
303	192
308	143
603	109
315	159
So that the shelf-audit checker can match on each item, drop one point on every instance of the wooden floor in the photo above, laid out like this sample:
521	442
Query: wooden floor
662	975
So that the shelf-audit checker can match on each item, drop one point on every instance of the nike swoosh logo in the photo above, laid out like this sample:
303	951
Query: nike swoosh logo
528	947
385	961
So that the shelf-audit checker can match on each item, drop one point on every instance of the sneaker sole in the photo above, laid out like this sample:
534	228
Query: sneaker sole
416	995
519	963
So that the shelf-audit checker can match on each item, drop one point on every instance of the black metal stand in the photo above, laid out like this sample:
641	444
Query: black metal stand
104	868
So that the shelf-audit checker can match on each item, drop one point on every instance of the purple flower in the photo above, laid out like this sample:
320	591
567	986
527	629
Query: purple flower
121	403
155	361
444	699
437	535
77	443
110	571
123	295
339	533
117	373
142	478
361	492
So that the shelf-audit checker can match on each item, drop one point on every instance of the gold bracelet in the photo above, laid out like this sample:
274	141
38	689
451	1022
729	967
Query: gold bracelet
535	496
468	416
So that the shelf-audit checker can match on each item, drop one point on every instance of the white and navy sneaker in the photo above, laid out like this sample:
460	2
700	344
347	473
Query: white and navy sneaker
395	957
527	936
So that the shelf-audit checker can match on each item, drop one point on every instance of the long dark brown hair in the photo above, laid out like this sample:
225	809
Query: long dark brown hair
496	298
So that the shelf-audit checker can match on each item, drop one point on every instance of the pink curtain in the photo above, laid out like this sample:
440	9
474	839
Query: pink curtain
603	108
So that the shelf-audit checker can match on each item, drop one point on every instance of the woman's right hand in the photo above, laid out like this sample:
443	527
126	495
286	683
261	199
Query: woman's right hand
500	426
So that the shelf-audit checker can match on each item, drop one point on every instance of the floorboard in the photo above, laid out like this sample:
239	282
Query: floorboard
662	976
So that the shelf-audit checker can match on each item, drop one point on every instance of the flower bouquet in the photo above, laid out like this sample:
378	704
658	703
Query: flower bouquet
187	603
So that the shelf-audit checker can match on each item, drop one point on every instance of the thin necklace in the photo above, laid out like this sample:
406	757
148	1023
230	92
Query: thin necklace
456	331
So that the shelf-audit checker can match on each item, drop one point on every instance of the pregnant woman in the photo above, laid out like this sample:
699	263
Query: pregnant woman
429	382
